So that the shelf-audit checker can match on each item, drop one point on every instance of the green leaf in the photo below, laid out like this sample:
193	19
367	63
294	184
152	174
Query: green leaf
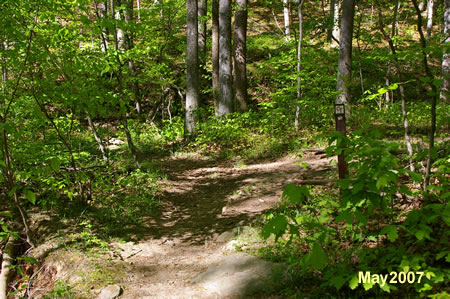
353	282
393	86
55	164
318	259
382	90
276	226
382	181
30	196
386	287
368	285
345	215
295	194
391	231
337	282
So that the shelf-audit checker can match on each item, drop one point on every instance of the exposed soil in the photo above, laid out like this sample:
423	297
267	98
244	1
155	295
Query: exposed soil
202	199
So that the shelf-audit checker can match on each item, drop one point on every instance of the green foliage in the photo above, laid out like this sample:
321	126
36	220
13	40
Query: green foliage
61	290
366	214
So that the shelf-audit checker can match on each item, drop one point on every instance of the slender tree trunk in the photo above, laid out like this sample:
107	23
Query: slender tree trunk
7	261
334	34
215	54
192	84
240	55
393	50
423	43
299	65
430	7
97	139
138	3
225	70
287	20
345	55
388	98
202	11
358	39
445	88
120	44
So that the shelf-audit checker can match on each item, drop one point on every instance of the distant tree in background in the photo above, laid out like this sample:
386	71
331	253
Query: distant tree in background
240	55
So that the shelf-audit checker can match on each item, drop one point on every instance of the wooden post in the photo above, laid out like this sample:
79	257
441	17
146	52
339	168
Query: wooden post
339	115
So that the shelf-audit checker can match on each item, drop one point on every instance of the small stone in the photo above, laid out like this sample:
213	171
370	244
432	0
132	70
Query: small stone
110	292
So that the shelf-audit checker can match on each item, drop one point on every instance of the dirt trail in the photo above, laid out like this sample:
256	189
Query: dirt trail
203	199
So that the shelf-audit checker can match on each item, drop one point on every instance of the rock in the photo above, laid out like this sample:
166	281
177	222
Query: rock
110	292
241	275
226	236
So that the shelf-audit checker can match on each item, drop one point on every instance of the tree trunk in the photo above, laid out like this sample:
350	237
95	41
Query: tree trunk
393	50
97	139
299	64
192	88
240	49
345	55
215	54
120	44
430	6
445	89
423	43
7	260
225	71
287	20
202	11
334	32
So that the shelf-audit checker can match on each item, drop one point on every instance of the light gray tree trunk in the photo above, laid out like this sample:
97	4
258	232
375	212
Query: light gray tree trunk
334	16
287	20
445	88
299	64
430	7
97	139
225	70
192	84
240	55
345	55
215	54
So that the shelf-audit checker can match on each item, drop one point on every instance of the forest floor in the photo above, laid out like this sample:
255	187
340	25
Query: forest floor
201	199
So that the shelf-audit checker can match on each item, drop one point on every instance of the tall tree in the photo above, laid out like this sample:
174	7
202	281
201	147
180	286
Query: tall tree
225	70
445	88
433	96
392	48
299	64
287	19
240	55
345	55
430	7
215	54
202	9
333	33
192	84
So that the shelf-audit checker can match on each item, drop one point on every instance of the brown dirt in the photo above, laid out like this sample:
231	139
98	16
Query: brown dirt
201	199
